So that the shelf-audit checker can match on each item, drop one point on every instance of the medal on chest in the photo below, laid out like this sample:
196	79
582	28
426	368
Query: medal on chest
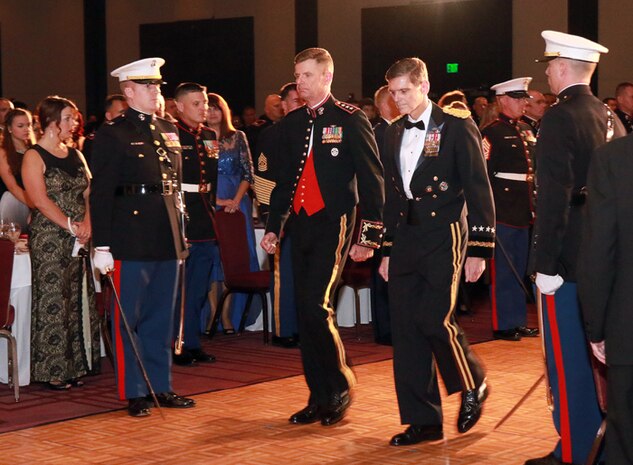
432	142
332	135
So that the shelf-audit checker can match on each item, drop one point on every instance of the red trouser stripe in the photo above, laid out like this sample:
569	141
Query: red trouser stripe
565	430
118	340
493	294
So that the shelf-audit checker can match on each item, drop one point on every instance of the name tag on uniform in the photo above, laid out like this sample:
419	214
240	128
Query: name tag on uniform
432	143
137	143
212	148
510	137
171	139
332	135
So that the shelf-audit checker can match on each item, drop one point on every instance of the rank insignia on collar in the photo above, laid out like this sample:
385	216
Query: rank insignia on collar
141	116
332	135
320	110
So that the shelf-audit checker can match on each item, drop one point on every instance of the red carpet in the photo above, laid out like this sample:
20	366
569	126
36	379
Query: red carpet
241	360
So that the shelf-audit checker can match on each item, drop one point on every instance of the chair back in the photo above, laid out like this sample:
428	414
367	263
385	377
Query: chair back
233	244
6	272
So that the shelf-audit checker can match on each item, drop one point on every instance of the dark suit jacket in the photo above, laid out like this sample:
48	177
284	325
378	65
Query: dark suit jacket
570	131
605	272
125	152
347	167
442	185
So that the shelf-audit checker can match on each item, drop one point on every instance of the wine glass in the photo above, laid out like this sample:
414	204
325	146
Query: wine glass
4	228
13	231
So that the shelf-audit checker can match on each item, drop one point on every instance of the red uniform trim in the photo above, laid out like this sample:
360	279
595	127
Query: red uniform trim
118	339
565	430
493	294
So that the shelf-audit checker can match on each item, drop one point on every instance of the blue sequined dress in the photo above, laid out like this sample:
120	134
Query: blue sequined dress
234	166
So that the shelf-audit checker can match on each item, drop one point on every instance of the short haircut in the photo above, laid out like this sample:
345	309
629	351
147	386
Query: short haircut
110	99
381	93
188	88
413	67
50	110
286	89
622	87
319	54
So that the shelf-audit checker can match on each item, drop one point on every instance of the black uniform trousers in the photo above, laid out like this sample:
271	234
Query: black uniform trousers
618	444
424	273
319	248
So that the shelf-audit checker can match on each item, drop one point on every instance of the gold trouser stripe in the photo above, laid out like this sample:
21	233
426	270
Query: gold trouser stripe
277	278
458	351
342	364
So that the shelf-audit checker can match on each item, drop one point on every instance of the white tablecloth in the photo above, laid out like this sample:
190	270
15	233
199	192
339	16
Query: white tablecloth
345	314
21	301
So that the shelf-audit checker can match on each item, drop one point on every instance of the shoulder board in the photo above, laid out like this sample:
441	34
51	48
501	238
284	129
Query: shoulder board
399	117
166	122
346	107
456	112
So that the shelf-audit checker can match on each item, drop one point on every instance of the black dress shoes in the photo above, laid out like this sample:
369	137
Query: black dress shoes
138	407
417	433
184	359
524	331
334	411
507	334
471	406
549	459
285	342
201	356
308	415
172	400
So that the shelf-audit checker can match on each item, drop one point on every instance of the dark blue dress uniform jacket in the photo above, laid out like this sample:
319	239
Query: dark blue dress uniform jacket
562	164
140	227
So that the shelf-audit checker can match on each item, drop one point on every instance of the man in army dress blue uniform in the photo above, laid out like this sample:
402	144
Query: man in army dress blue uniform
434	171
330	163
135	217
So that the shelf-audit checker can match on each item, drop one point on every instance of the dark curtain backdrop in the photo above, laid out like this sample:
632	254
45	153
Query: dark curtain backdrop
218	53
476	34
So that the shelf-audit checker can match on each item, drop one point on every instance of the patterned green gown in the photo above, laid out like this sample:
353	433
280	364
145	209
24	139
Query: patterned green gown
64	320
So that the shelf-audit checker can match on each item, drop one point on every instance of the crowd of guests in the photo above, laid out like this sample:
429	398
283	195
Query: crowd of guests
45	162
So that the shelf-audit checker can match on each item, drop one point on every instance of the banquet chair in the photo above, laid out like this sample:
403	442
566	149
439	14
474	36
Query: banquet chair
7	314
230	230
357	276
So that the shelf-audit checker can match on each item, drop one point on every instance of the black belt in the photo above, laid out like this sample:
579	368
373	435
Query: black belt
143	189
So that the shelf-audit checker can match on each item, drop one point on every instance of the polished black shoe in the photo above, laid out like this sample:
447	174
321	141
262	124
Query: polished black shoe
58	385
309	414
172	400
201	356
184	359
138	407
285	342
524	331
549	459
417	433
335	410
507	335
471	406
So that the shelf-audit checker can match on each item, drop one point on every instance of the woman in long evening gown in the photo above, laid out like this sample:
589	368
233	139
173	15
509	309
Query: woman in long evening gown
235	176
64	321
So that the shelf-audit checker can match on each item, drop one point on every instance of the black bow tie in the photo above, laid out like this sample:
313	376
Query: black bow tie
410	124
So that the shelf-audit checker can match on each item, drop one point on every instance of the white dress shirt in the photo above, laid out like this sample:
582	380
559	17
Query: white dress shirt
412	147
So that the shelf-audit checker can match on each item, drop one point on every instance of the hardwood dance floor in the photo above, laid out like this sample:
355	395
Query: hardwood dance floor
248	425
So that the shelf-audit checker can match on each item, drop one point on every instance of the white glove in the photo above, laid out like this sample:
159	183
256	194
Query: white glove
103	260
598	351
547	284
